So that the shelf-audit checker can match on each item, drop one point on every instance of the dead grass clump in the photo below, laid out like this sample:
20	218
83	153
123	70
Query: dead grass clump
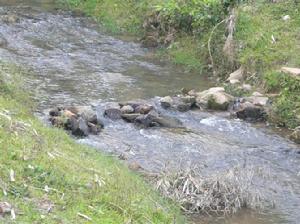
221	193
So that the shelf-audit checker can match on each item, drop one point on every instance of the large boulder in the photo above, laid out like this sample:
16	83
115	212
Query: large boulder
295	136
214	98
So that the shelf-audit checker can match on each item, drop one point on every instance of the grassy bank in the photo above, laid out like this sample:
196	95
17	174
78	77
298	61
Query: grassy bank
48	178
263	40
268	42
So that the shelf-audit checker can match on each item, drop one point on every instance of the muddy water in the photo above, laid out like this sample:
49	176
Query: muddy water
74	63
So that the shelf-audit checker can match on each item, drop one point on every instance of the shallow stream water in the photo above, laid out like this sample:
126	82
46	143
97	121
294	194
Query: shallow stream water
75	63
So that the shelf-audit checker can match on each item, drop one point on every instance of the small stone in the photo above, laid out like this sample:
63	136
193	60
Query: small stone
113	113
286	17
79	127
58	122
55	112
68	114
192	93
252	113
166	102
237	75
127	109
134	166
94	128
143	109
188	99
130	117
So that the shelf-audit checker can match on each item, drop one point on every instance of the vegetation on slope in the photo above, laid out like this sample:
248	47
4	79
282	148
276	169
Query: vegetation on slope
263	40
267	42
48	178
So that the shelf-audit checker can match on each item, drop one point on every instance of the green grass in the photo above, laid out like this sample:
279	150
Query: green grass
263	57
51	169
117	16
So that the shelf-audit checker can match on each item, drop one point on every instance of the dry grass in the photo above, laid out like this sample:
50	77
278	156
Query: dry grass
219	194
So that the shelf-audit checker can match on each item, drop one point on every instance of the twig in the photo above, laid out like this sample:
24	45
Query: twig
84	216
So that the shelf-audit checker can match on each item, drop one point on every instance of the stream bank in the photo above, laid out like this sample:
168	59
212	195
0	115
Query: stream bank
74	63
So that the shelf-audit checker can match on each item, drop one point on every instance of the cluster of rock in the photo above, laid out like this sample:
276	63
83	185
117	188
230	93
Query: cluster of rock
141	114
81	120
252	108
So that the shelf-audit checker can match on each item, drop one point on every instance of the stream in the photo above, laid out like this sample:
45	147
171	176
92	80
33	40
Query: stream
74	63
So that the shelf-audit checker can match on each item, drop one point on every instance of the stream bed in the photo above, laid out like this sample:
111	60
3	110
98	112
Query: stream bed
74	63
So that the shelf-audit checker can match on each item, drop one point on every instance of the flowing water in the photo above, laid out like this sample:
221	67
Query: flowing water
75	63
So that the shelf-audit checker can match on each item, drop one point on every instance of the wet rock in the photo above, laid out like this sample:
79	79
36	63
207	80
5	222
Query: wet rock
94	128
188	99
10	19
113	111
58	122
295	136
127	109
68	114
182	106
166	102
214	98
130	117
145	121
193	93
180	103
133	104
168	122
55	112
251	112
143	109
79	127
